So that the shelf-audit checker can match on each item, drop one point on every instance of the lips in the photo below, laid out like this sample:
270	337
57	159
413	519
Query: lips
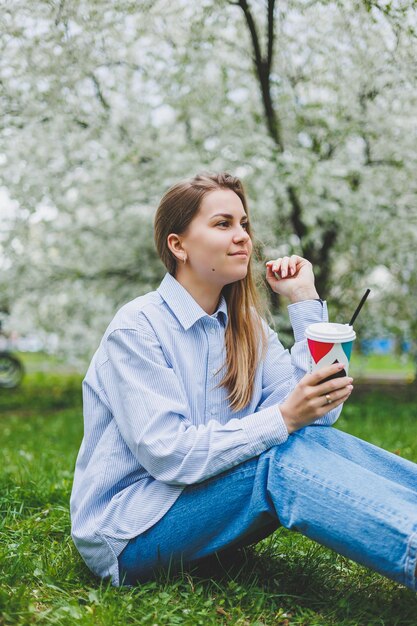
240	253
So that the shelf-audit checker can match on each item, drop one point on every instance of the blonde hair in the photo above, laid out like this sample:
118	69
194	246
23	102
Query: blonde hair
245	332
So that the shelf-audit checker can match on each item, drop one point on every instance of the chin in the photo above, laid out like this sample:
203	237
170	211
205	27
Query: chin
237	276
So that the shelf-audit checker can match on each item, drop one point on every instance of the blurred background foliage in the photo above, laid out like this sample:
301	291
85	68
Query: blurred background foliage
105	104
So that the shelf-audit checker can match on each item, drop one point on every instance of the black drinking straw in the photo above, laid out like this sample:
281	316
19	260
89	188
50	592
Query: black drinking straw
360	305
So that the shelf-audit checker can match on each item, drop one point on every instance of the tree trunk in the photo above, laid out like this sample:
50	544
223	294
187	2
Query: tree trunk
318	254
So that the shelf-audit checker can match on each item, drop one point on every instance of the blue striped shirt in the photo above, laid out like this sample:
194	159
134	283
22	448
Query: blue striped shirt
155	422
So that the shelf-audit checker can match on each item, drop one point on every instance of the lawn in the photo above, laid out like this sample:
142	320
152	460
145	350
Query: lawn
382	364
285	580
361	365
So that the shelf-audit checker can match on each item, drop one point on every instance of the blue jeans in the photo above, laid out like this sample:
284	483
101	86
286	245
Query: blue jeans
344	493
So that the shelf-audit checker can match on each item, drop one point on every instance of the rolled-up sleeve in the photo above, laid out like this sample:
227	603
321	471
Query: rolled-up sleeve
152	413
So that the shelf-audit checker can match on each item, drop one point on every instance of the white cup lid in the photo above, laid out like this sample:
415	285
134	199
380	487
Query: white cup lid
330	332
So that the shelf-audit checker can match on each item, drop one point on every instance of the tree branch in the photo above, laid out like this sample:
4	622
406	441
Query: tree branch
59	14
99	92
364	97
132	66
263	69
318	255
300	228
271	33
253	31
322	258
388	162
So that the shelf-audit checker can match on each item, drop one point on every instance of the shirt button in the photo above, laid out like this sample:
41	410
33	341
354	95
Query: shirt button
212	330
214	372
213	412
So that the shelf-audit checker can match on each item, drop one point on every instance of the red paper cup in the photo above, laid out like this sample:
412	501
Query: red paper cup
329	343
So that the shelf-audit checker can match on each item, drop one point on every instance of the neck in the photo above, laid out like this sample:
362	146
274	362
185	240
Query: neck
206	295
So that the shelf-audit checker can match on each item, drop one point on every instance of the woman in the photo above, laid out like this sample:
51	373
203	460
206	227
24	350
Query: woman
203	433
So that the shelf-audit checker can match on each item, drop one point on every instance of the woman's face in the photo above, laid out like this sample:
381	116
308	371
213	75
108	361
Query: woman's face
217	244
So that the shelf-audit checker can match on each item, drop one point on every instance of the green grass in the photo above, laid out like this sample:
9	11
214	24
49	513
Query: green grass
368	365
361	364
35	362
285	580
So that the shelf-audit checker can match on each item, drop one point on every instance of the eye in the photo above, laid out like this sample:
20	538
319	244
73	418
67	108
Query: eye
245	225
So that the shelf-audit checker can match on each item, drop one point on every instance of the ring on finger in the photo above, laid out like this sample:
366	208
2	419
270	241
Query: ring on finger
328	398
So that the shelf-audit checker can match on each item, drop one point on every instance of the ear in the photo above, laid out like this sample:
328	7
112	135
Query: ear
175	245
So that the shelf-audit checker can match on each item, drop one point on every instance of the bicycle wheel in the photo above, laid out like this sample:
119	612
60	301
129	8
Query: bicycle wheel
11	371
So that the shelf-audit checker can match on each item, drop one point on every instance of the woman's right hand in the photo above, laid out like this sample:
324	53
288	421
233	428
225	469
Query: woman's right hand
307	401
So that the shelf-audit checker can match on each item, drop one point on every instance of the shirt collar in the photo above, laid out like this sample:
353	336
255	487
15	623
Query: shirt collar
183	305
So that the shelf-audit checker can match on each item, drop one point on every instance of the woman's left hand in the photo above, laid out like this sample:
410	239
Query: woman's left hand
296	278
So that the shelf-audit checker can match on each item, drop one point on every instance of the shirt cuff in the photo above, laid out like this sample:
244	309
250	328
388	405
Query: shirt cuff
265	429
304	313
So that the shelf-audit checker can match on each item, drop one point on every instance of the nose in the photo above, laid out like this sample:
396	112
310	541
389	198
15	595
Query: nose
241	235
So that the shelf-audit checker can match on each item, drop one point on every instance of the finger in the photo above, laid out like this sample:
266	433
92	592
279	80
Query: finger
337	401
270	274
284	266
323	372
334	384
293	264
298	259
335	397
276	267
